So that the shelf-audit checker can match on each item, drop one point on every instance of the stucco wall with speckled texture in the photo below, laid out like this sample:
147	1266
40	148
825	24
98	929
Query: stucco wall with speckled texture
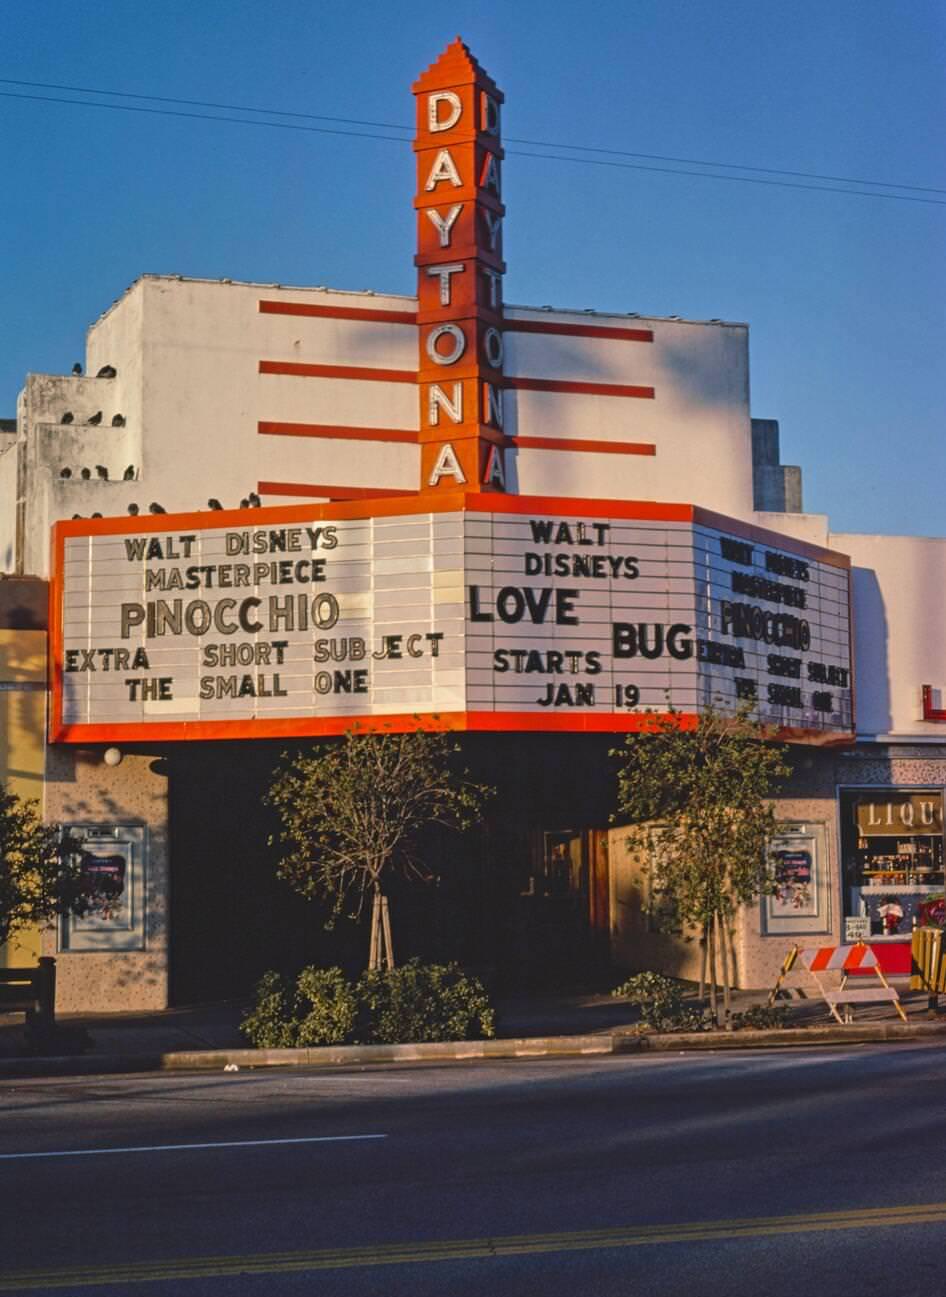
80	788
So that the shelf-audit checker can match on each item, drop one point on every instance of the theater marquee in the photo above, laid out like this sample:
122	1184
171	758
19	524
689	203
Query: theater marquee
487	612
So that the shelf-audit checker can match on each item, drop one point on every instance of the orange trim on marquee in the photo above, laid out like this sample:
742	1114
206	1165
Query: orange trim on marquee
390	504
312	726
410	502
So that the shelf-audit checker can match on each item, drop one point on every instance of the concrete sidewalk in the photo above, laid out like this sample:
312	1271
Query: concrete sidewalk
207	1036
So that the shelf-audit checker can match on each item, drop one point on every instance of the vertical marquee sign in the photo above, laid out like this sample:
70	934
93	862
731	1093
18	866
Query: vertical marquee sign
459	275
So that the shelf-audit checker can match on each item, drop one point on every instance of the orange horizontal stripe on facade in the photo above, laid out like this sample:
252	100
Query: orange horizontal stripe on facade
322	490
578	330
584	389
362	373
382	316
375	314
583	444
268	428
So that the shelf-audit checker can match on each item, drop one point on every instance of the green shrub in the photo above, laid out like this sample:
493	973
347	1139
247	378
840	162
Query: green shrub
761	1015
330	1005
271	1023
661	1003
423	1002
417	1002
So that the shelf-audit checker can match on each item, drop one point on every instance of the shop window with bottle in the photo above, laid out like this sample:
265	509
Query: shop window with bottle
892	849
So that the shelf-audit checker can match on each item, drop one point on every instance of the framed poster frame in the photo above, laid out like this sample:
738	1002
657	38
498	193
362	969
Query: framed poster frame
116	855
802	902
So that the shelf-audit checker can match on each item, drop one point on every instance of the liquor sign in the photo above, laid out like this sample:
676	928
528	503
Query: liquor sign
484	611
899	815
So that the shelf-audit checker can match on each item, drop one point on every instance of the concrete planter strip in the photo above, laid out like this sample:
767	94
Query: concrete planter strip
617	1042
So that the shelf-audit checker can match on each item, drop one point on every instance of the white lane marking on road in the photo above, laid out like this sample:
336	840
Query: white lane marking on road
170	1148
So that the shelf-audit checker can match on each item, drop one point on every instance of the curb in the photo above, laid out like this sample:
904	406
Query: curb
317	1056
620	1041
628	1041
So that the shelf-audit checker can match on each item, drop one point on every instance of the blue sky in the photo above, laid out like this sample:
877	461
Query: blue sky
844	294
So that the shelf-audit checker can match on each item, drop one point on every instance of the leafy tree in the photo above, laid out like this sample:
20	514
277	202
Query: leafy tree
41	870
353	812
699	803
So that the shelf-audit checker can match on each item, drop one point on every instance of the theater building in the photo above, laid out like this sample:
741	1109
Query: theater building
267	513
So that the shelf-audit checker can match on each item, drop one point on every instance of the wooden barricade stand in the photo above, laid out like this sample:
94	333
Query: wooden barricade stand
928	966
846	960
788	963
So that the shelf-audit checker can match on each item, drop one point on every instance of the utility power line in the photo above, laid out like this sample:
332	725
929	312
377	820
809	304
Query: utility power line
545	144
837	187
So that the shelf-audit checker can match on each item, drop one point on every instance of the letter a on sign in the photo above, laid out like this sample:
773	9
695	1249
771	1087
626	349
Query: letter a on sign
444	168
446	465
495	474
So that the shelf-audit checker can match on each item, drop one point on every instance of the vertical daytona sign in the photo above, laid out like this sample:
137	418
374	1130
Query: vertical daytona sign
459	275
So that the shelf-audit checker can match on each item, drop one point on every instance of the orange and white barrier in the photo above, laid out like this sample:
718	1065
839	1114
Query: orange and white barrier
846	960
841	959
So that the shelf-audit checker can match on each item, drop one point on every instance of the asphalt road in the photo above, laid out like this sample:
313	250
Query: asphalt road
767	1173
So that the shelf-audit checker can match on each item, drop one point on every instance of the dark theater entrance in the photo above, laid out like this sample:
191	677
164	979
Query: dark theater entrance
521	899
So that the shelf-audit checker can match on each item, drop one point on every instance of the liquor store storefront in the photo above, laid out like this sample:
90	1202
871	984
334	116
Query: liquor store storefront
892	860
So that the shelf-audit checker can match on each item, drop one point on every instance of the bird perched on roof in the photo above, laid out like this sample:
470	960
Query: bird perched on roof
65	472
254	500
214	503
118	421
77	369
102	472
107	371
67	417
129	474
133	509
156	508
95	419
85	474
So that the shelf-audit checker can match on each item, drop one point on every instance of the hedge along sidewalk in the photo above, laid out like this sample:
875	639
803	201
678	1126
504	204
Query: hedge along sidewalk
626	1041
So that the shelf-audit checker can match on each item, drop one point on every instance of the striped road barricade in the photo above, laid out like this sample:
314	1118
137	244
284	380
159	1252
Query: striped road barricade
844	960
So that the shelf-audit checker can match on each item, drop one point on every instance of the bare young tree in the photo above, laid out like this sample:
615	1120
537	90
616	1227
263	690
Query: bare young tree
699	804
352	812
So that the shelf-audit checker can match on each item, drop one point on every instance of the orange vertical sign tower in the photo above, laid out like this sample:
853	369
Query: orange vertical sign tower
459	275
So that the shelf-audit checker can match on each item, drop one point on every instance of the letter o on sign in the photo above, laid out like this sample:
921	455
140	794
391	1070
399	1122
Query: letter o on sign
458	347
493	347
